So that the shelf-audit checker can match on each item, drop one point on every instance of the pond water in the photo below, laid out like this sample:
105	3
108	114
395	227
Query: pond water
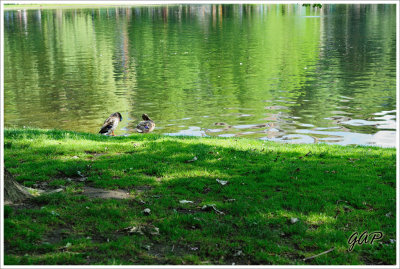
282	72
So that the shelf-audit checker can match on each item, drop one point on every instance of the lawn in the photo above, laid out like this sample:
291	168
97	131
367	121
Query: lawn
211	200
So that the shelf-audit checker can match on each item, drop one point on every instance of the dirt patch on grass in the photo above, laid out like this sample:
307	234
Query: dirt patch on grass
95	153
187	211
56	235
372	261
27	204
42	186
106	194
143	188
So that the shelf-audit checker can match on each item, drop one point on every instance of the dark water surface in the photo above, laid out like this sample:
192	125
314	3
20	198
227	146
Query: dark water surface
274	72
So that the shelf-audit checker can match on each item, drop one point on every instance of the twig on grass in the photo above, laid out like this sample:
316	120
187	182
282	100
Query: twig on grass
322	253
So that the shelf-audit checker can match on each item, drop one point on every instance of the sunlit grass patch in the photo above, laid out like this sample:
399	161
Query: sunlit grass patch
319	219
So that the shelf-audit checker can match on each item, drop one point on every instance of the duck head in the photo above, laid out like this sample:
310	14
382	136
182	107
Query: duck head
145	117
117	114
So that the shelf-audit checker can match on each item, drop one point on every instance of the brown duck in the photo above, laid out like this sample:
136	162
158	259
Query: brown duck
145	126
111	124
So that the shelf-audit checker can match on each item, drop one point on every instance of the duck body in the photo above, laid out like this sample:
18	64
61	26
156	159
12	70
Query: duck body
145	126
111	124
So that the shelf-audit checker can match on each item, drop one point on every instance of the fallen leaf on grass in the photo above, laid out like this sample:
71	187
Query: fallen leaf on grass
83	178
222	182
192	160
140	201
142	229
146	211
347	209
238	253
133	229
353	160
63	248
294	220
185	202
54	213
206	189
147	247
212	207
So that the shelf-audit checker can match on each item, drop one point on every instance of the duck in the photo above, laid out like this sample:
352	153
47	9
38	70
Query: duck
111	124
145	126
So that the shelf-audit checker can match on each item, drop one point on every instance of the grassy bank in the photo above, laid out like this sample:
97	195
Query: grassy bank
332	191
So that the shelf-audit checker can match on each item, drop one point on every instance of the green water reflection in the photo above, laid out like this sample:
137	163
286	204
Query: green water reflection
275	72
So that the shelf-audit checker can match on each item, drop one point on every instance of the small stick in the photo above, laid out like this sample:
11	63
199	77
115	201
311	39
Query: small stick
216	210
322	253
172	250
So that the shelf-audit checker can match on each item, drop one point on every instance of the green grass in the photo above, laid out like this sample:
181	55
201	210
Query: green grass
333	191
